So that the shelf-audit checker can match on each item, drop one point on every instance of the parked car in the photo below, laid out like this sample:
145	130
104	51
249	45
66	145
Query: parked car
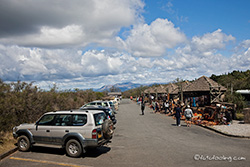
95	103
73	130
117	100
100	103
111	105
110	113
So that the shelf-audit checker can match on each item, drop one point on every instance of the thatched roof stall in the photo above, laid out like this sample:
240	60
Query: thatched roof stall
161	89
177	88
206	89
171	88
149	91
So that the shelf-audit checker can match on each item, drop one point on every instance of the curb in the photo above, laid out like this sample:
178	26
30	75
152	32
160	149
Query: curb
2	156
229	135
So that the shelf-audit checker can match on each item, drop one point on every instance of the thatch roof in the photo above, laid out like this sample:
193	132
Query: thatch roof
160	89
177	88
172	88
149	90
203	84
169	88
155	89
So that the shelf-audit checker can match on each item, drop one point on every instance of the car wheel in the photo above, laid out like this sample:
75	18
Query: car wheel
73	148
23	143
107	129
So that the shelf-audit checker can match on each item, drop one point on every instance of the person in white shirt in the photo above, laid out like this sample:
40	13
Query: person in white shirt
188	113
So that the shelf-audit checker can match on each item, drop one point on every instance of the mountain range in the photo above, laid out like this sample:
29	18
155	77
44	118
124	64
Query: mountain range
122	86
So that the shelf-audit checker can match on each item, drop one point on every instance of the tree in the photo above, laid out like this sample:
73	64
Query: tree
114	89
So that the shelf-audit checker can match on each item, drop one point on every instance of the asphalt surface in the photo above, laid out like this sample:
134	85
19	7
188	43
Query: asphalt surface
145	141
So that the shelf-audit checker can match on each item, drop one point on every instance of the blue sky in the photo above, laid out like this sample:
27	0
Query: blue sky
196	17
88	44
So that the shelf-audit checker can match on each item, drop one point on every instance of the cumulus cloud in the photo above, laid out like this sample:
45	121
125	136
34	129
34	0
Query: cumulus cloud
153	40
200	56
60	23
211	41
82	44
241	58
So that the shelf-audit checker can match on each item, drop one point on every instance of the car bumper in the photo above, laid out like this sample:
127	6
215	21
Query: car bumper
96	143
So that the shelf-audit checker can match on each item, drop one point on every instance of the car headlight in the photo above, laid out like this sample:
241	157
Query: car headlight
15	129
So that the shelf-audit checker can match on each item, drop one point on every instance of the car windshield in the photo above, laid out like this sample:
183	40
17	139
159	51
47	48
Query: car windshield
111	103
110	112
99	118
46	120
105	104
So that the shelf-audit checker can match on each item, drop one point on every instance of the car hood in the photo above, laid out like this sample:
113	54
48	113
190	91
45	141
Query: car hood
26	126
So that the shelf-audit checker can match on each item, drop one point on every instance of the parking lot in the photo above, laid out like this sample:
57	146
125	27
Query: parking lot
146	140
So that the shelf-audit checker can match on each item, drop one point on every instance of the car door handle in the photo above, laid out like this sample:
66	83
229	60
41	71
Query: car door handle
47	130
67	131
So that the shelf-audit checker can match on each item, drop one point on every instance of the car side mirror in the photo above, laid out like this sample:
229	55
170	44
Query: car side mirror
36	125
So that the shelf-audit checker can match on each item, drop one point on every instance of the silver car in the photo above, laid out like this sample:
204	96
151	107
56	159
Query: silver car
73	130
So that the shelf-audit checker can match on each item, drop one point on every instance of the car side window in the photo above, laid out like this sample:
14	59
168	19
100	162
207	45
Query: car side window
47	120
63	120
79	119
99	118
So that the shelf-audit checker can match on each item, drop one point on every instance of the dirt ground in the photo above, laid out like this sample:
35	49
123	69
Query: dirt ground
7	142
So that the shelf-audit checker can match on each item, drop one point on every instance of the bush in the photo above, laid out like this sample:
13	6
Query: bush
237	99
21	102
240	116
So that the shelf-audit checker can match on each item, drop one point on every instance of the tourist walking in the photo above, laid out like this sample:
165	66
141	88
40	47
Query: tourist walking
178	115
157	107
188	113
166	105
142	108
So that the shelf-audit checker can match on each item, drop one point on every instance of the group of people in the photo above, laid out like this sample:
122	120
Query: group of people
167	106
177	111
188	113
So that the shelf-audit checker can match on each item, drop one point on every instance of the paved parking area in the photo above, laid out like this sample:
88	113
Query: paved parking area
148	140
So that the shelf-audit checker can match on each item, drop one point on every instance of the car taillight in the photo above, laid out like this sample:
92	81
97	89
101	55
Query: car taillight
94	134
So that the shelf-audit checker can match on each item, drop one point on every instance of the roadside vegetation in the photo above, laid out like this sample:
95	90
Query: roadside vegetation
235	80
22	102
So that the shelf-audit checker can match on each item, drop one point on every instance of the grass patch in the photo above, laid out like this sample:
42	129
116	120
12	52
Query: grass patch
7	142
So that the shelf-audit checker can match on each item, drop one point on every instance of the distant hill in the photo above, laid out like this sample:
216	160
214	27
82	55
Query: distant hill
122	86
237	79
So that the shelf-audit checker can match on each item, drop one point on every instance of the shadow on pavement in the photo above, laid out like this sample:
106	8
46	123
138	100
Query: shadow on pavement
48	150
181	125
95	152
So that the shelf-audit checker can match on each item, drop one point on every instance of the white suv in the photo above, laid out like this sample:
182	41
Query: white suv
73	130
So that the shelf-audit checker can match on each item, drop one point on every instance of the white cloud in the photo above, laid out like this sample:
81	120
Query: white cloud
65	23
241	59
211	41
94	53
201	56
153	40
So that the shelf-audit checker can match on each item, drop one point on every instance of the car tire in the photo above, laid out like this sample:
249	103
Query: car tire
23	143
107	129
73	148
